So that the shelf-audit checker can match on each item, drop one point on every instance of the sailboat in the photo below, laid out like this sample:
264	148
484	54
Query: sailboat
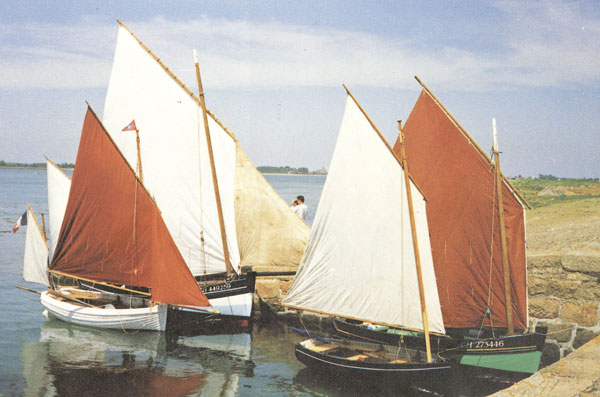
253	226
113	236
480	265
35	260
368	258
59	185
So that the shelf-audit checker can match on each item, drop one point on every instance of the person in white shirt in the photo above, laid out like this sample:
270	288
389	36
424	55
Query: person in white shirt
299	207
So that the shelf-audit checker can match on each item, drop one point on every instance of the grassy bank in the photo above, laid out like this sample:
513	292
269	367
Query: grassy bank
565	215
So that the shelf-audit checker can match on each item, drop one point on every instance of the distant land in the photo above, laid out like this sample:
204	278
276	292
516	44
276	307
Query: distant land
264	169
267	169
6	164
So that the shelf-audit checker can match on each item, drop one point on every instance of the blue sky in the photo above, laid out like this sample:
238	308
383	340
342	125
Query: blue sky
273	72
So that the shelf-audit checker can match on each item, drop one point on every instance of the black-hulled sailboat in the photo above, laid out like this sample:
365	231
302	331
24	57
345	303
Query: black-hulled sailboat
362	260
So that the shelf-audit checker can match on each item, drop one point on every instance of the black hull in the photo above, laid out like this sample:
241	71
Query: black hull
459	344
400	373
182	320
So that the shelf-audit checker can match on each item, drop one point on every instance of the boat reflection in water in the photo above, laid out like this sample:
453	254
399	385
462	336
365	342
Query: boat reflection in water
73	360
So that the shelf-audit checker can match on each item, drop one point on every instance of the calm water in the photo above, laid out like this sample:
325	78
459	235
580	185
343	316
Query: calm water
49	357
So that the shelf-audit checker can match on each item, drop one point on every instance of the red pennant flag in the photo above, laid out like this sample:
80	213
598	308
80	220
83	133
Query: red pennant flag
130	127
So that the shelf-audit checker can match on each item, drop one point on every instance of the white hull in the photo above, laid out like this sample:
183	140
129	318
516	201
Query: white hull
150	318
231	306
235	305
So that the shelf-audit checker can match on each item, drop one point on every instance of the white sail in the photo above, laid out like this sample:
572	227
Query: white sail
175	162
59	185
35	261
359	262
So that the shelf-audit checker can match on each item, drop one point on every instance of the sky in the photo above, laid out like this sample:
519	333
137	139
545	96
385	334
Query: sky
273	72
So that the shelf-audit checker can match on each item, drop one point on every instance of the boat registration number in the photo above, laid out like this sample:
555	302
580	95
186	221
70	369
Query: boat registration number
218	287
483	344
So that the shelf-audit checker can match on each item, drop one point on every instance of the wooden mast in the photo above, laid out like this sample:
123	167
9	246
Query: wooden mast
44	227
413	229
505	266
139	155
212	167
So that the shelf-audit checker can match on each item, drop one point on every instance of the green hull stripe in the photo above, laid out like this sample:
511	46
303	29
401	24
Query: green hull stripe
516	362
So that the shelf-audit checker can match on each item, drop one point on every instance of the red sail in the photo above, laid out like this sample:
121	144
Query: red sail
113	231
462	211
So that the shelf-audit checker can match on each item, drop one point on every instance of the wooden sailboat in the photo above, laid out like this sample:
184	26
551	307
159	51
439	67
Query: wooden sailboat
480	265
362	259
253	227
113	235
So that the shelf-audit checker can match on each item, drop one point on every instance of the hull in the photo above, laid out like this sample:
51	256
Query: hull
514	353
356	362
150	318
232	298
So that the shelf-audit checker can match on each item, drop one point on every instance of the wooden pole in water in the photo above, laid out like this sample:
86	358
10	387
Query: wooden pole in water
212	167
505	265
413	229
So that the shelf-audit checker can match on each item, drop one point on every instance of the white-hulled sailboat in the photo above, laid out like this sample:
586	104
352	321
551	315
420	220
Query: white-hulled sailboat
360	262
113	235
254	227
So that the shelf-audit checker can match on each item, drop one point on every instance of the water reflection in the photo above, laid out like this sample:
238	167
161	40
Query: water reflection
73	360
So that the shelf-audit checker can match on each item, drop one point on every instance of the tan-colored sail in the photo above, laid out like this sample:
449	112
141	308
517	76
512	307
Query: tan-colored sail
268	232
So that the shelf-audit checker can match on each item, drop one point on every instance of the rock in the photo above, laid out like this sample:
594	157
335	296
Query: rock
564	289
537	286
584	314
588	263
550	355
544	308
583	336
559	332
267	289
553	191
590	291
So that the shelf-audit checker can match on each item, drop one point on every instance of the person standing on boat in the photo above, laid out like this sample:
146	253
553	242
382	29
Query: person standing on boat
299	207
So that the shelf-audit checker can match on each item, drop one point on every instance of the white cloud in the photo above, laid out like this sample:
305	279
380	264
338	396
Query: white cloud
538	45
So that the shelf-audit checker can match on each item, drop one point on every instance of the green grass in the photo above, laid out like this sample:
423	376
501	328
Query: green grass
575	190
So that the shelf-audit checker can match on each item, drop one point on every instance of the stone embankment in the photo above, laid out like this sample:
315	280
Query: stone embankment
564	295
575	375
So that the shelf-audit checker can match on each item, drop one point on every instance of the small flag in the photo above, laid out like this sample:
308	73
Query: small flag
130	127
22	221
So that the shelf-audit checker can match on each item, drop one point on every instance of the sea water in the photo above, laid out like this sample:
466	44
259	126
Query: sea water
49	357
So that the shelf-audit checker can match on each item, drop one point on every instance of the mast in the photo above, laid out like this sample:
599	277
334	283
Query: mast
212	166
413	230
505	266
44	227
139	156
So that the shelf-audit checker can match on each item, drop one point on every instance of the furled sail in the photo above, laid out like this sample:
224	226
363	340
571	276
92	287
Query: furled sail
35	261
113	231
58	194
174	153
359	262
268	232
462	210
